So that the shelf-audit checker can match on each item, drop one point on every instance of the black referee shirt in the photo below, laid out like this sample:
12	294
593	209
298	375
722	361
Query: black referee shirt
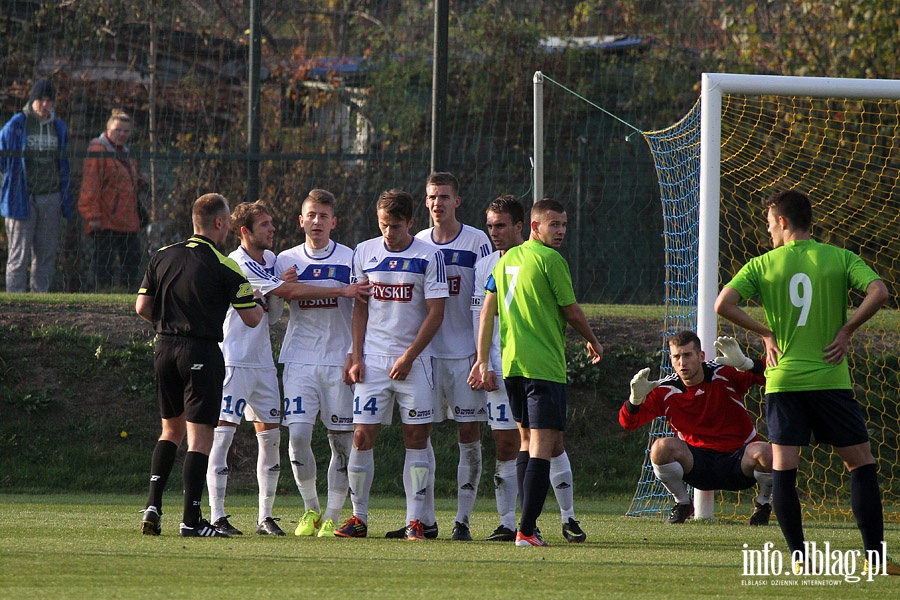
192	285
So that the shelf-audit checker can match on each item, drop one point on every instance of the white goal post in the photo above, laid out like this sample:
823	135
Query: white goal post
713	87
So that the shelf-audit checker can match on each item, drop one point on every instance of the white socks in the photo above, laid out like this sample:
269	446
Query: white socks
671	475
338	484
268	469
416	475
765	487
360	471
217	470
561	480
427	515
303	463
468	475
505	492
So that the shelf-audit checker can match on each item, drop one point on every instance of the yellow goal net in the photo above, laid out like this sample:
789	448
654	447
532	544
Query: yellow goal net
838	141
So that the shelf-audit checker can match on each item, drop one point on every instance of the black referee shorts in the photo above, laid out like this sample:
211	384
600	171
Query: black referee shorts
189	376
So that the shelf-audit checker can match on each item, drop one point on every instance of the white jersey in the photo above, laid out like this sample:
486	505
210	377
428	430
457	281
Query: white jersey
455	337
483	269
402	281
318	331
245	346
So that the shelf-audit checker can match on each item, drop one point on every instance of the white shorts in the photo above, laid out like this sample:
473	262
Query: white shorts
250	393
454	398
374	397
311	390
499	412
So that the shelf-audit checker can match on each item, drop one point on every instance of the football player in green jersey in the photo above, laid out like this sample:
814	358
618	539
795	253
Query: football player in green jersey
803	286
530	288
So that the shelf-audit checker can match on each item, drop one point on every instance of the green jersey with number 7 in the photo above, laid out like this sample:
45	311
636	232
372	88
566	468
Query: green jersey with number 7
532	282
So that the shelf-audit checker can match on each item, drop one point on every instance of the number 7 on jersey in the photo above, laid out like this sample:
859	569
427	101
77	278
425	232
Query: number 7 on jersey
514	271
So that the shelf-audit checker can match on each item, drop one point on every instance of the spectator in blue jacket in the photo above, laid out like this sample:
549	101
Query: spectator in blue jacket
36	190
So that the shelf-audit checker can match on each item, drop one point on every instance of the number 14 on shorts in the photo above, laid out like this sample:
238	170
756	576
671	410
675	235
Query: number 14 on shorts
371	406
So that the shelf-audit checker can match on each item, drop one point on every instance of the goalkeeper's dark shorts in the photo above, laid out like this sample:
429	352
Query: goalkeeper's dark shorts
714	470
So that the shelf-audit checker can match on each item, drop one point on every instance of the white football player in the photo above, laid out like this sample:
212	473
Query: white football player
315	352
391	358
453	348
251	382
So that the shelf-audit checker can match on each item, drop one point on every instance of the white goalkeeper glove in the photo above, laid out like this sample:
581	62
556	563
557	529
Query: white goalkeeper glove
641	386
732	356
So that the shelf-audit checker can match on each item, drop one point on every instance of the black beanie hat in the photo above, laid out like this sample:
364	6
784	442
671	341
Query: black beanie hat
42	88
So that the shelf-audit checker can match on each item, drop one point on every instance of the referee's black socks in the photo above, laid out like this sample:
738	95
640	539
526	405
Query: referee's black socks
161	464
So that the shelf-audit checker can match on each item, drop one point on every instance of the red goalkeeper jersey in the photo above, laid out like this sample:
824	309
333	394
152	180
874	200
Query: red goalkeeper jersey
710	415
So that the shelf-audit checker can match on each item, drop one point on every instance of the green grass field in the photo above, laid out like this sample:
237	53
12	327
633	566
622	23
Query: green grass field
74	545
84	546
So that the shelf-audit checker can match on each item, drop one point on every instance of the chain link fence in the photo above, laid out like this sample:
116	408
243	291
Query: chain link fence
353	126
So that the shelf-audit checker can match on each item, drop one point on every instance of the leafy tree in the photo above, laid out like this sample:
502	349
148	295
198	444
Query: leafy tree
824	38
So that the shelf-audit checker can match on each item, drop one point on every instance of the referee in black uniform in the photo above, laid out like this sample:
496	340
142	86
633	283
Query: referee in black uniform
185	295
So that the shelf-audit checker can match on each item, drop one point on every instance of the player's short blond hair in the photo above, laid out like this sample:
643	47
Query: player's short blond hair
317	196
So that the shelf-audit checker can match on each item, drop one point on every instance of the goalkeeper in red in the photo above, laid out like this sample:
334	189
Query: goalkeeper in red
715	445
803	286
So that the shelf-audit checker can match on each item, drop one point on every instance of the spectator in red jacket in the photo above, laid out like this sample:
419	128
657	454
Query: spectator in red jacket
110	206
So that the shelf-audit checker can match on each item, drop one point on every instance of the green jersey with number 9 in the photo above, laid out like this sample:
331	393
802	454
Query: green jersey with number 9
804	288
532	281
